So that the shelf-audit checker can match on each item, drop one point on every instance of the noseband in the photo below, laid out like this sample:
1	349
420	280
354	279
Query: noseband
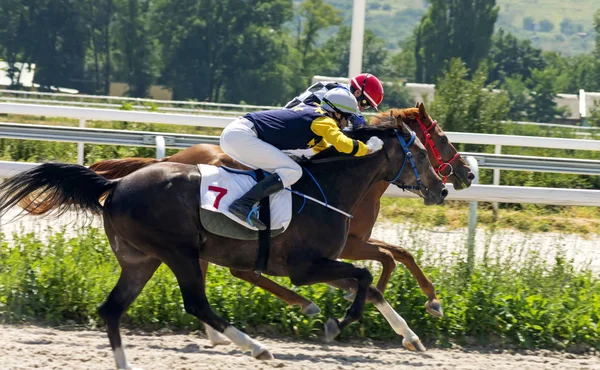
407	157
436	153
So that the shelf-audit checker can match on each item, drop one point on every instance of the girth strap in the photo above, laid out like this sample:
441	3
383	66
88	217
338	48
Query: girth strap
264	236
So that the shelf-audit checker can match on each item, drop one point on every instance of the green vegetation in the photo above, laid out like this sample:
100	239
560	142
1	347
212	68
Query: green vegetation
518	300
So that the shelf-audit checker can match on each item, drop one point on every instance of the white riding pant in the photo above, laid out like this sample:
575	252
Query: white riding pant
240	142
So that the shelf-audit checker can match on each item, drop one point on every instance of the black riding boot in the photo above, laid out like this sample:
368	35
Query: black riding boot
243	206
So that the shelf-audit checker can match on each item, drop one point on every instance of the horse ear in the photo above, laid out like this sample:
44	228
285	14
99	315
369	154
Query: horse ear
422	111
405	129
417	105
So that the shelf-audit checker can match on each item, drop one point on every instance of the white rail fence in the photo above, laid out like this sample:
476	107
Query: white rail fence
178	106
485	193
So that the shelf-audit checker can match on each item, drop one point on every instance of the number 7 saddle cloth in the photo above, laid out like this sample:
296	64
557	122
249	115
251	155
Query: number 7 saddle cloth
220	186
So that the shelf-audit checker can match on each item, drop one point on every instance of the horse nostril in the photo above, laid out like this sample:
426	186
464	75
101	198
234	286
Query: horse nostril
444	193
471	176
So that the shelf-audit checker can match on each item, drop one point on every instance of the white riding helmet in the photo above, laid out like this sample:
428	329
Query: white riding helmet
340	100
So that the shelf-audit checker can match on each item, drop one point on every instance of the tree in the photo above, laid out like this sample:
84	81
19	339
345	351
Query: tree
14	20
596	76
546	26
528	24
403	64
314	16
337	53
512	56
213	49
135	55
543	91
568	27
574	72
468	105
444	33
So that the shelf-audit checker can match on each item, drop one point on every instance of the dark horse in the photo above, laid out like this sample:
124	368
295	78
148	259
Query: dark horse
152	217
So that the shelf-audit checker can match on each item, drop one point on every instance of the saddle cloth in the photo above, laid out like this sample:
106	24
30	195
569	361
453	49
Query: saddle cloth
220	187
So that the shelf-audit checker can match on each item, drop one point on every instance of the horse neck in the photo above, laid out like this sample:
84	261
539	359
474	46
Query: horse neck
346	182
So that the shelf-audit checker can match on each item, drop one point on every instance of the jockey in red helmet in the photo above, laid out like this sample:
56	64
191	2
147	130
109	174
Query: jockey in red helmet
365	87
368	90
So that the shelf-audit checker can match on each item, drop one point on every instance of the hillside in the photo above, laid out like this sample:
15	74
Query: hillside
557	25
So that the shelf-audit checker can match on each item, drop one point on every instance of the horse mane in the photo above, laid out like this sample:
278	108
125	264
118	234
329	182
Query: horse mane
405	114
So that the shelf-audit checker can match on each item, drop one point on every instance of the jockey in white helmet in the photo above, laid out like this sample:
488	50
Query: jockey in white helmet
258	140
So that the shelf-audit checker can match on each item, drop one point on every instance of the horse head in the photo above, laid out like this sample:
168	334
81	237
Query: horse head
407	163
444	157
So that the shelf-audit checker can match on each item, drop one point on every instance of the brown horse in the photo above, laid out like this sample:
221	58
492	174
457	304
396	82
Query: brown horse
151	217
359	246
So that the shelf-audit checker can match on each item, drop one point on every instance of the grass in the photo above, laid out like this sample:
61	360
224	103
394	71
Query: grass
507	300
525	217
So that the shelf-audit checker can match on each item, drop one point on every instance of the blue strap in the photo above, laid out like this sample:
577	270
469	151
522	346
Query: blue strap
252	211
318	186
408	157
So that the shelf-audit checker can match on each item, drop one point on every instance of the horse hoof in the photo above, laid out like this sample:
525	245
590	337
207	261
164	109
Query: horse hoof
413	344
216	338
434	308
311	309
350	297
332	330
263	354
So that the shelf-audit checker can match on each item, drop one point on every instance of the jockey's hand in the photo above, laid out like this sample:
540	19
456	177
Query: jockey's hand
374	144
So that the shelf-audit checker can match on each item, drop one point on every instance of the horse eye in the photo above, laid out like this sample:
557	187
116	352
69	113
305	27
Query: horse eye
444	140
423	155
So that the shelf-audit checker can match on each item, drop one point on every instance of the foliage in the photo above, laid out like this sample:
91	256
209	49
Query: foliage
444	34
510	56
336	51
517	299
468	105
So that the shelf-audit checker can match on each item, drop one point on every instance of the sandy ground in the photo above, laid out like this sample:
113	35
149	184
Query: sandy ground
32	347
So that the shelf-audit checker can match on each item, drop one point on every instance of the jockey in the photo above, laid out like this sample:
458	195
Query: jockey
258	140
365	87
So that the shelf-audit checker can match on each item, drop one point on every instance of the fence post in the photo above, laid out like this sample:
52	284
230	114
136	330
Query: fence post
80	147
582	107
472	161
496	177
160	147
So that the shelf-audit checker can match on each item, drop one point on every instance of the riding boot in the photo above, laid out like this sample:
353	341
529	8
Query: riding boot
243	207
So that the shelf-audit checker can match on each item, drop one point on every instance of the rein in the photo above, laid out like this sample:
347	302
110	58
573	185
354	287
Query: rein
436	153
407	158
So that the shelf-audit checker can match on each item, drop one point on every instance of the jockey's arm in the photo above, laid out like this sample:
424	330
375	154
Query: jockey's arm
327	128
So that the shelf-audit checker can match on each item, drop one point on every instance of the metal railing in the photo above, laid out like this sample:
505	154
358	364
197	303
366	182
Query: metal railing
182	141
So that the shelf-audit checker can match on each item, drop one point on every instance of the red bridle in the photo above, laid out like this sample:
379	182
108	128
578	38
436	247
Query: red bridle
436	153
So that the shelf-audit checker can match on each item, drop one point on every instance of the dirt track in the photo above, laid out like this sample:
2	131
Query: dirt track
32	347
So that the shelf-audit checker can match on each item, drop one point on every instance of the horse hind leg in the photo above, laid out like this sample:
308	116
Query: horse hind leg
433	305
215	338
191	282
136	270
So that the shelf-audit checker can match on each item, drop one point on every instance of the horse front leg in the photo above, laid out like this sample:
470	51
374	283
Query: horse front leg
433	305
325	270
410	340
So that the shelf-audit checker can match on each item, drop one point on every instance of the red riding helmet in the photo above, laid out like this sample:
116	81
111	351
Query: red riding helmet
371	90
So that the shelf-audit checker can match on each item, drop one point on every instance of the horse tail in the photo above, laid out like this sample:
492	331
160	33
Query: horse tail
56	188
117	168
